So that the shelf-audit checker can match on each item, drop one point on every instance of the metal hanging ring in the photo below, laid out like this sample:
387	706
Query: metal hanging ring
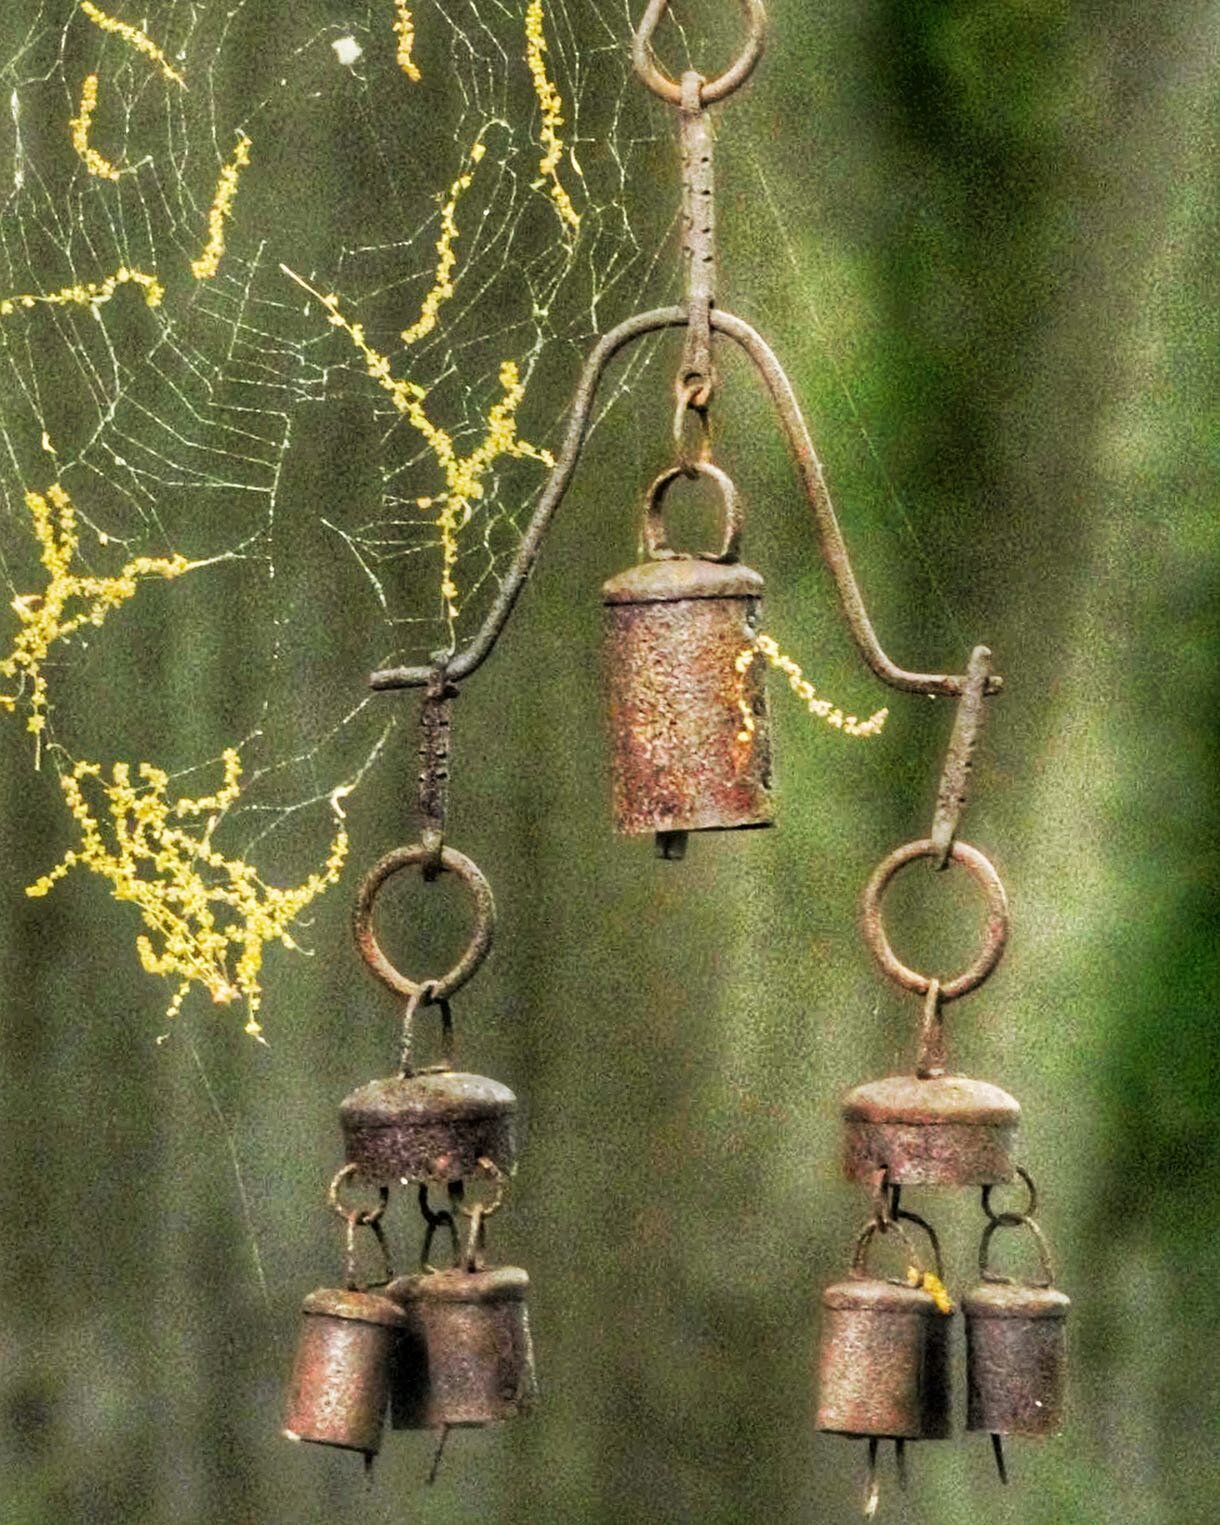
356	1217
656	542
1019	1220
1031	1205
982	871
713	90
452	862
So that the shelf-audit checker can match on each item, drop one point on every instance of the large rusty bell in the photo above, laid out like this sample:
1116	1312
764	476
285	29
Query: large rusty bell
690	740
933	1130
341	1379
438	1126
884	1363
466	1356
1016	1347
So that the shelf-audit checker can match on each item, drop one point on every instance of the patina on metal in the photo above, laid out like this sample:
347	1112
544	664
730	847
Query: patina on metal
435	731
683	757
440	1126
466	1356
341	1379
884	1364
946	1130
1016	1341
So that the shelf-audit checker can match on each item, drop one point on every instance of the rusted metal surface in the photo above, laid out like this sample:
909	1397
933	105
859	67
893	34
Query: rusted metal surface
681	757
1016	1358
341	1379
813	481
872	929
696	378
946	1130
452	862
967	724
431	1127
466	1356
435	730
884	1366
713	90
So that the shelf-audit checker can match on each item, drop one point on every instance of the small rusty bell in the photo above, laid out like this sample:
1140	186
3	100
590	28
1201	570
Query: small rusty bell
884	1365
1016	1347
341	1379
466	1357
691	747
438	1126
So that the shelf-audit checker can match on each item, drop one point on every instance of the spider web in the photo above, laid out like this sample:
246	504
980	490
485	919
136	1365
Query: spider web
218	226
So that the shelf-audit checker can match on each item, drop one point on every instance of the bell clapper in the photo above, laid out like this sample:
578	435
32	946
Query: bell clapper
900	1461
438	1454
872	1493
1001	1466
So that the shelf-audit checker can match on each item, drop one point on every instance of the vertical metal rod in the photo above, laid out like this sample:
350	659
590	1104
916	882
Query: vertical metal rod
695	376
967	724
933	1054
435	722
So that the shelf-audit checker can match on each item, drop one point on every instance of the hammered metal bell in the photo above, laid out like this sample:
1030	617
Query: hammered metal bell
1016	1350
690	740
942	1130
341	1379
884	1367
430	1127
466	1356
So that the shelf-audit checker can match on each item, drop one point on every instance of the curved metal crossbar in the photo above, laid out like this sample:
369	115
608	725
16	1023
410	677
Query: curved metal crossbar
830	536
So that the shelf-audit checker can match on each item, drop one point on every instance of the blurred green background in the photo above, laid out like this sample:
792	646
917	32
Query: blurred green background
981	236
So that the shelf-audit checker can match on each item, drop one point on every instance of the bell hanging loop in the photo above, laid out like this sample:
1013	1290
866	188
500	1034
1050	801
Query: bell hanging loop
656	541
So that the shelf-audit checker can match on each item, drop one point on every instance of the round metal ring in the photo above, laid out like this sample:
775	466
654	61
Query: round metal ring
982	871
356	1217
713	90
1031	1205
452	862
655	540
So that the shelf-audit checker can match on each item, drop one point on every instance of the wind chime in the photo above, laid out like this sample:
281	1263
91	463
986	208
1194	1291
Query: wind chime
690	752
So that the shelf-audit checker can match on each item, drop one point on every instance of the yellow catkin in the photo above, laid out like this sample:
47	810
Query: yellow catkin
464	475
208	263
928	1282
94	162
550	104
70	599
134	37
207	918
442	282
404	26
823	709
87	293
